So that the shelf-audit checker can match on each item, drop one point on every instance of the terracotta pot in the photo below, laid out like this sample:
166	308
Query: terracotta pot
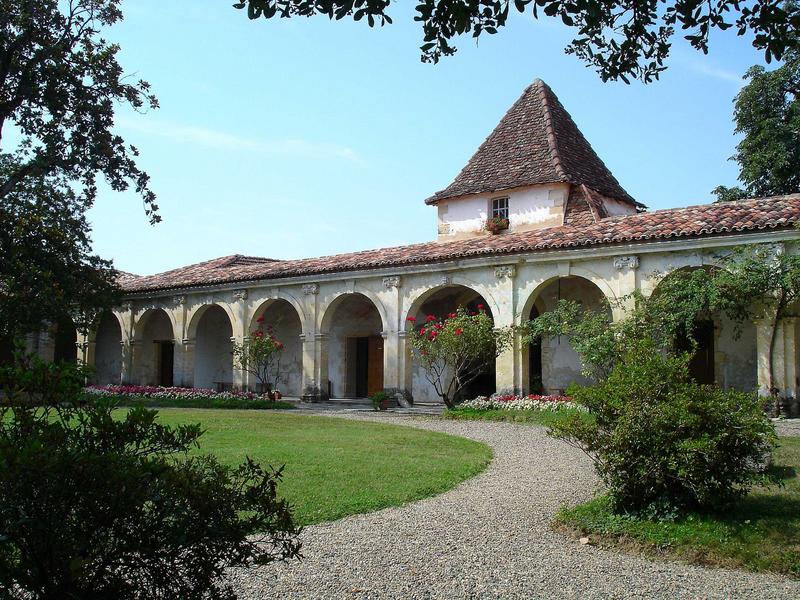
383	405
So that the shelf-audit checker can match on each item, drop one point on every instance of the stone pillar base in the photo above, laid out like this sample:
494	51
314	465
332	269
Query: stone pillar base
312	393
402	397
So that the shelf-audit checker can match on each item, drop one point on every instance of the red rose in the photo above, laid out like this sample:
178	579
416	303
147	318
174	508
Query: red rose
422	331
411	319
458	331
260	320
430	318
451	316
481	307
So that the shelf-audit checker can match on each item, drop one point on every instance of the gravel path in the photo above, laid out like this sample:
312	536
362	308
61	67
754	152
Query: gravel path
489	538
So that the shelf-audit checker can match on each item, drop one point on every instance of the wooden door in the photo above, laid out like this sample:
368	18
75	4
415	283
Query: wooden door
374	365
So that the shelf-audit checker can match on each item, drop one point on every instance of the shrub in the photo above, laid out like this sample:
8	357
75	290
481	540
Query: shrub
97	506
379	397
663	444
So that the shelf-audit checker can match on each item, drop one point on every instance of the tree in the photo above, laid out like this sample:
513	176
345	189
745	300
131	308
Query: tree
261	356
767	115
621	39
47	268
454	350
60	83
96	504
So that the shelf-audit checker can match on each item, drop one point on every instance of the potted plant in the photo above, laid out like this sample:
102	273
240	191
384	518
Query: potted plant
380	400
496	224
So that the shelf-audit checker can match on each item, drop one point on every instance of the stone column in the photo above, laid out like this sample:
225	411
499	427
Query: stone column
626	284
321	361
310	387
506	373
393	345
184	362
130	364
240	335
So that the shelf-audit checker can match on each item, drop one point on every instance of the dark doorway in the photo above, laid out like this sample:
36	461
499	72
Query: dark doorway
166	362
65	342
701	366
368	365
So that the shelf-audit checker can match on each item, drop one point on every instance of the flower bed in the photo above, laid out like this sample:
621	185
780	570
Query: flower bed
531	402
158	396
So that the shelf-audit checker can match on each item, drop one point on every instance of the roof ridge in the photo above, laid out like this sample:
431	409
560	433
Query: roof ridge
542	88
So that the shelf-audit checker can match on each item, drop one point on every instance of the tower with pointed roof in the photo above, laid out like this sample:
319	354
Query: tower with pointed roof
535	170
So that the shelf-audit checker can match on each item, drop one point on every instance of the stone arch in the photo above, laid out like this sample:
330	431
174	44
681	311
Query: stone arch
557	364
440	301
193	319
154	348
211	328
419	297
352	331
286	321
331	305
107	339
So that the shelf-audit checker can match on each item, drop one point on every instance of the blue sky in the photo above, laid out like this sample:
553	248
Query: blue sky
301	138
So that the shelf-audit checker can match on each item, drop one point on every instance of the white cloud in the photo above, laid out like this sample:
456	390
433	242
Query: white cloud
220	140
717	73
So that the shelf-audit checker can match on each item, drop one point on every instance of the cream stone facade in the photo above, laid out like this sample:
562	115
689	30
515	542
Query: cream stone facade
574	234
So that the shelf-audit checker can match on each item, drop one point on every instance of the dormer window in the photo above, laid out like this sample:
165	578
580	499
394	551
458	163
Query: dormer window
499	208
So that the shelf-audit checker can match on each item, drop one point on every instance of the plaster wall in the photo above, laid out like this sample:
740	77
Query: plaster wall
532	207
108	351
213	350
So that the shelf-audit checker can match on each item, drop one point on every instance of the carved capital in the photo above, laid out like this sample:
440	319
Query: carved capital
179	300
311	289
446	280
127	306
391	282
239	295
505	271
626	262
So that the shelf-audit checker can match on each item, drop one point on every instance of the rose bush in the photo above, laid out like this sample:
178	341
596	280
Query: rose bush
167	393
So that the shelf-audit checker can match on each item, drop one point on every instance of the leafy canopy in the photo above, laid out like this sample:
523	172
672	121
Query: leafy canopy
261	356
767	116
621	39
60	84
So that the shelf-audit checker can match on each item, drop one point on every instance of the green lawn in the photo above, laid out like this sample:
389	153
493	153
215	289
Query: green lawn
533	417
337	467
760	533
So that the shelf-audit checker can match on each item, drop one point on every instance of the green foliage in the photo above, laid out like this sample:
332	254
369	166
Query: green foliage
60	83
97	506
533	417
767	116
379	397
217	403
261	356
759	532
622	39
455	349
663	444
47	269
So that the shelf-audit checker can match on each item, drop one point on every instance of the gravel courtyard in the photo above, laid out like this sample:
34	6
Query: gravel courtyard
489	538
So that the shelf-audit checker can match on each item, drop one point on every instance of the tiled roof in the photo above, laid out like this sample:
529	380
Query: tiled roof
536	142
780	212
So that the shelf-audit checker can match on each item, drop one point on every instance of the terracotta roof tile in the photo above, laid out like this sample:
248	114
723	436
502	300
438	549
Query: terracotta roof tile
536	142
780	212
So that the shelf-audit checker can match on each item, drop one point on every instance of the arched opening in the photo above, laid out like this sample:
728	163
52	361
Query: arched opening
725	353
213	366
440	302
108	350
65	341
282	318
154	356
552	364
355	347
